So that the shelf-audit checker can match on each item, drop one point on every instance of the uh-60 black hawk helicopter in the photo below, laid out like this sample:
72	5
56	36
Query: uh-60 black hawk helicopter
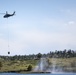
8	15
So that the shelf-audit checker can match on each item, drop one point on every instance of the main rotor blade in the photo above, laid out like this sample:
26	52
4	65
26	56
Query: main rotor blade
2	13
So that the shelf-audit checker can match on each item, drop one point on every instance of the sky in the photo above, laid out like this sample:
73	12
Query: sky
39	26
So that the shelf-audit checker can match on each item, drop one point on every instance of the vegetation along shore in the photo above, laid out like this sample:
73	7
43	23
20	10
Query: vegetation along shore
66	59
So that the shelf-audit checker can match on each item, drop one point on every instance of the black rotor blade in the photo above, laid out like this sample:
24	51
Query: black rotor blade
2	13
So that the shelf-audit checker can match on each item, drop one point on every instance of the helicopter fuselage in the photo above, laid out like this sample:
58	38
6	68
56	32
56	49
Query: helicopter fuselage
7	15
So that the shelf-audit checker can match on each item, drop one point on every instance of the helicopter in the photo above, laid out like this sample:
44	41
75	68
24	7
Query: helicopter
8	15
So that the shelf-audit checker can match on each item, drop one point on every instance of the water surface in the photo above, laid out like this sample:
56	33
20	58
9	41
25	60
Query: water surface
37	74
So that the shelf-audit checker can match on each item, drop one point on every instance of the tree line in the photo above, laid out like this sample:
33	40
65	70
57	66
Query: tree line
56	54
63	54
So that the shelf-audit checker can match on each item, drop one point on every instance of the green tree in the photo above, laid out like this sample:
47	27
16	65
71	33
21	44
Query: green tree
39	55
0	65
29	68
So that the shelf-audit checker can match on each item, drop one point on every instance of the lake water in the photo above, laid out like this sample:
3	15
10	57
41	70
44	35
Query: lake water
37	74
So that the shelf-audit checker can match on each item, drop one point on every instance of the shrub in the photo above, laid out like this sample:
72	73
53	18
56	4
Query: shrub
29	68
0	65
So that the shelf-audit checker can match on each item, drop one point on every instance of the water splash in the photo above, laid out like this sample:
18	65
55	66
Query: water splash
43	66
55	68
